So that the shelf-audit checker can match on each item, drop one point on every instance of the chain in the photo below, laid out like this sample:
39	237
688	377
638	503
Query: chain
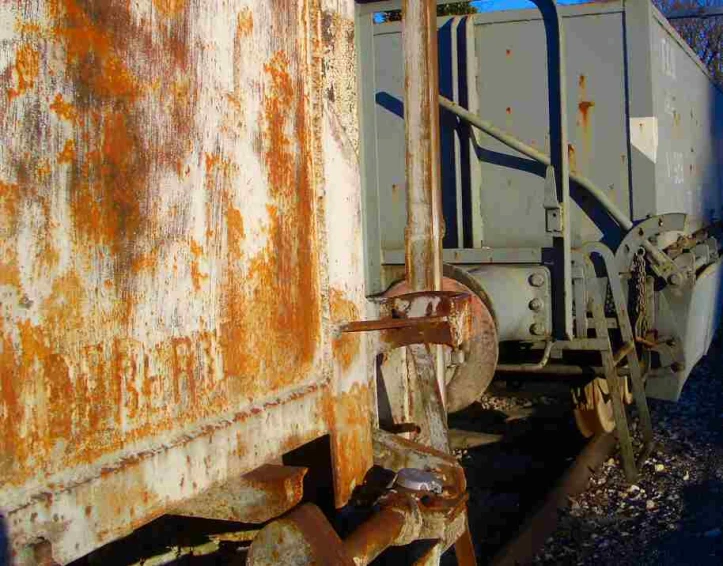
639	272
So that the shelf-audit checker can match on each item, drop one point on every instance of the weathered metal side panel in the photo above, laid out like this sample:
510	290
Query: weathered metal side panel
688	162
171	174
353	406
510	84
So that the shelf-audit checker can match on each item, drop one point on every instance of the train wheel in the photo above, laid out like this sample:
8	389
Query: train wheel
594	408
466	382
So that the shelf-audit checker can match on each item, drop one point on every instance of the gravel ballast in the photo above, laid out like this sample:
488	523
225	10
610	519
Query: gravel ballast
674	514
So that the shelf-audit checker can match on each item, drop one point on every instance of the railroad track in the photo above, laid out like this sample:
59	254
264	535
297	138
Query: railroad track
518	485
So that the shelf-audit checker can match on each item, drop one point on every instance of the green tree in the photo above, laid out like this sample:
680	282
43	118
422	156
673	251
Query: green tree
453	9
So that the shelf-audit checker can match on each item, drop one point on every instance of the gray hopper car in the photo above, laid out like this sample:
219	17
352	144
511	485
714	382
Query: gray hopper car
630	113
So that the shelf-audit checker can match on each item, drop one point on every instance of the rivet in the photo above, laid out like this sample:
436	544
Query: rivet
536	304
537	280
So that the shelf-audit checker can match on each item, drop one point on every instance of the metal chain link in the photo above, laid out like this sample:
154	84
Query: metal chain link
639	272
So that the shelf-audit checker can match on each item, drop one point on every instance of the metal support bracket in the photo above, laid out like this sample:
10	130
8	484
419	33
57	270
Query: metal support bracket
429	317
553	209
640	236
417	320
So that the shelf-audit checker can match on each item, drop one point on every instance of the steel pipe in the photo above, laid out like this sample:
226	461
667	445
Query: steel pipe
529	368
376	535
423	235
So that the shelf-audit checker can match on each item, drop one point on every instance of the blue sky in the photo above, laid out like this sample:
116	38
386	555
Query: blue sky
491	5
495	5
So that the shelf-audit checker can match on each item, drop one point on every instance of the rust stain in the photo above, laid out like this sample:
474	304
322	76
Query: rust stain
351	441
508	52
170	7
286	293
584	107
346	347
9	202
245	24
67	155
77	387
584	112
64	388
197	276
25	71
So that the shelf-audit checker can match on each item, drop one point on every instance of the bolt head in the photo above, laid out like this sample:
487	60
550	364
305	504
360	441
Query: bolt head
537	329
537	280
676	279
536	304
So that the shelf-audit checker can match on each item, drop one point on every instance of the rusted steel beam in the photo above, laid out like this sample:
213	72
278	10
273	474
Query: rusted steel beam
436	317
423	237
265	493
392	323
421	116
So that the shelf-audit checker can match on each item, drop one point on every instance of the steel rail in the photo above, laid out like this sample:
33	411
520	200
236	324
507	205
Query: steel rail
542	523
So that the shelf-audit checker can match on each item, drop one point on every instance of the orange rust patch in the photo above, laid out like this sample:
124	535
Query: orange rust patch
346	347
235	227
277	104
170	7
351	441
63	109
281	285
197	276
245	24
9	199
25	71
68	153
116	68
584	108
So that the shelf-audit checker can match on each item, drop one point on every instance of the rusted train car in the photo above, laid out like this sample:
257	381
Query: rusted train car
180	251
189	316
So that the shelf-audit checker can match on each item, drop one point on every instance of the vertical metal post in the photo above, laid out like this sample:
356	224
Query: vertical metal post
424	230
556	83
421	114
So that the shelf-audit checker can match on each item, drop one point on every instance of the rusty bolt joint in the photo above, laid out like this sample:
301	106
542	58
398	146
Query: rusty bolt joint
537	329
